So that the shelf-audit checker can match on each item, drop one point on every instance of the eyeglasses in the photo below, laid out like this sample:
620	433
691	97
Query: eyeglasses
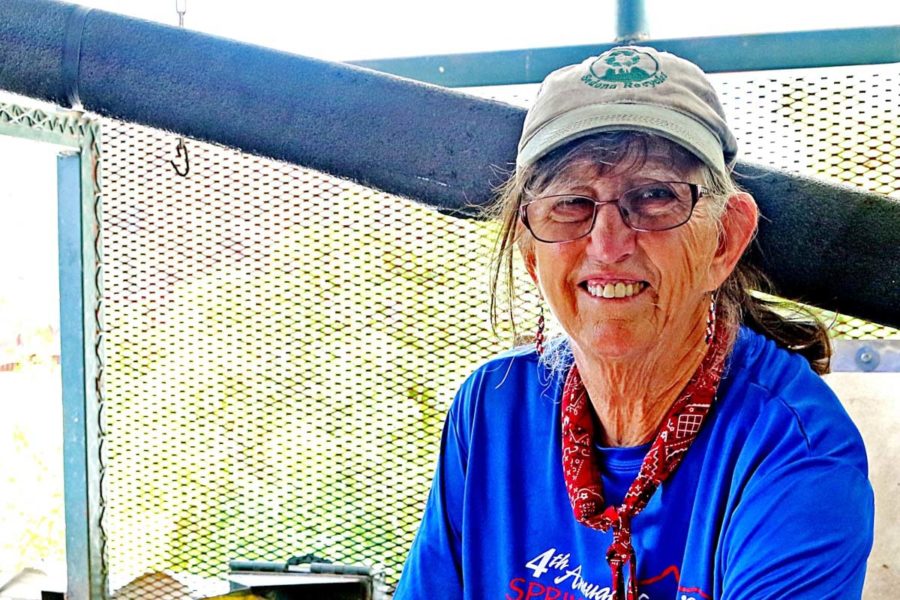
655	206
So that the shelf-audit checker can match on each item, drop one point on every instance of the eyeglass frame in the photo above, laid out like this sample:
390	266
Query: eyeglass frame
697	192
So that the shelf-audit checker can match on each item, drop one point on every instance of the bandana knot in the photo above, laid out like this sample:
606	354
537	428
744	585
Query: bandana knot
620	551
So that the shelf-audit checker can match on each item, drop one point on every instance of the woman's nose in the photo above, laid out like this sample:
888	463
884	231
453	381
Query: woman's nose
611	240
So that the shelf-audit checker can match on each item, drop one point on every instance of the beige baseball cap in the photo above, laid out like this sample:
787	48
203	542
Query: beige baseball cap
632	88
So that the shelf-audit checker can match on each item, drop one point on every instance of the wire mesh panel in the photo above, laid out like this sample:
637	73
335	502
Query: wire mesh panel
280	350
836	124
281	346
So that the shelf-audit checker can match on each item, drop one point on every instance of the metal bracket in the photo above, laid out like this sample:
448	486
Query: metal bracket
869	356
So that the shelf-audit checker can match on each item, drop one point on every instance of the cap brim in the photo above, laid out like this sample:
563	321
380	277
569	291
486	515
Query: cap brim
593	118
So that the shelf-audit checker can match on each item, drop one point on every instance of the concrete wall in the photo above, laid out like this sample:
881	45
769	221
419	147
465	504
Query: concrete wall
873	401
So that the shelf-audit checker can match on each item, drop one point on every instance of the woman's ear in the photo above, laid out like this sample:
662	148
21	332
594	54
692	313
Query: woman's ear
738	228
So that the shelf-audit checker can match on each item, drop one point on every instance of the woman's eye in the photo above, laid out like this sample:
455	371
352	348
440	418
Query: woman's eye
651	200
655	192
572	207
567	202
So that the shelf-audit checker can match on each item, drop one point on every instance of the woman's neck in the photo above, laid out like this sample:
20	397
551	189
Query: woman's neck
631	397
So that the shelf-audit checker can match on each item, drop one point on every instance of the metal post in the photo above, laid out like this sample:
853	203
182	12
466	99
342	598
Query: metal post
713	54
631	21
81	439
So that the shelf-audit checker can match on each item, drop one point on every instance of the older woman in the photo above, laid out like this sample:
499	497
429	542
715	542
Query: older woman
677	442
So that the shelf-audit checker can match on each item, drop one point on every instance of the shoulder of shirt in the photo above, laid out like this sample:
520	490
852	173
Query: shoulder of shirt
788	389
763	363
521	358
505	367
512	377
524	357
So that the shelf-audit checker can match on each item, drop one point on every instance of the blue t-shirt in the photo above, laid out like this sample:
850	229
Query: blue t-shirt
771	501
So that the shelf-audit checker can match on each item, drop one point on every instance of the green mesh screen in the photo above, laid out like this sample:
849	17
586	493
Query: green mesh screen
281	346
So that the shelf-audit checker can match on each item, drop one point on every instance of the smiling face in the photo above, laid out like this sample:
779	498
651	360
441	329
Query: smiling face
619	292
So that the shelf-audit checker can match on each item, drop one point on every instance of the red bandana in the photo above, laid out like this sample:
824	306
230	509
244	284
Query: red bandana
674	436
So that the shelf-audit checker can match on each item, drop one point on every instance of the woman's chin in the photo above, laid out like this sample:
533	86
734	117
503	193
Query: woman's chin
615	341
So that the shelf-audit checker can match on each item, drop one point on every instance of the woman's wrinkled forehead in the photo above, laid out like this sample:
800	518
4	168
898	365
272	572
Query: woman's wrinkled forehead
582	170
616	155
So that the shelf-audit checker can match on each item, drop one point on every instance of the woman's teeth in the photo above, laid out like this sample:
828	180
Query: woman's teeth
614	290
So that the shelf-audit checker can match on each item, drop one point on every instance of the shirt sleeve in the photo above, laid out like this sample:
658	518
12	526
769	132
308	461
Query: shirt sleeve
803	526
434	565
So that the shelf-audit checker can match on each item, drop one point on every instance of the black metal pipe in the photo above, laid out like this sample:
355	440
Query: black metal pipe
831	246
392	134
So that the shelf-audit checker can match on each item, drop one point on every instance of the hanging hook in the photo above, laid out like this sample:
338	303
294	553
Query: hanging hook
181	8
182	152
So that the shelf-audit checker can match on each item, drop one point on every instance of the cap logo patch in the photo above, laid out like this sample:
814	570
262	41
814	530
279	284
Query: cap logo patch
624	68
